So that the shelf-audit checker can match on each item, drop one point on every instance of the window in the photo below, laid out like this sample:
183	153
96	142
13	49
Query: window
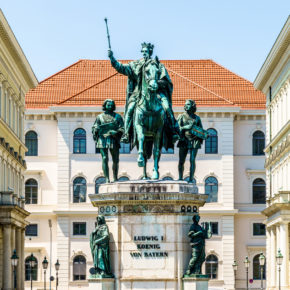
123	178
98	182
259	191
80	141
168	151
125	148
258	143
79	268
31	188
79	190
79	229
31	230
259	229
257	268
211	188
30	270
214	227
31	143
187	179
211	143
167	178
211	266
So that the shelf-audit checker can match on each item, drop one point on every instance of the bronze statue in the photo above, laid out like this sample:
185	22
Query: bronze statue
192	136
197	235
107	132
99	242
148	99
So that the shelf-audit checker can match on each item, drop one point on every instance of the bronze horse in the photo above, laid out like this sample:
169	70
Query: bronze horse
149	119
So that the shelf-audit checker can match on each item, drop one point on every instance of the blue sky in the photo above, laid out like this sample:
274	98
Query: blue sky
236	34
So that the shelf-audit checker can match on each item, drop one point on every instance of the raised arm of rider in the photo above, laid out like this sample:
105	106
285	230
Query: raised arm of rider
124	69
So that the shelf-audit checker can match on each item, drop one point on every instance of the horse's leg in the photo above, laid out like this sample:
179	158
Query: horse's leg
145	170
156	154
141	139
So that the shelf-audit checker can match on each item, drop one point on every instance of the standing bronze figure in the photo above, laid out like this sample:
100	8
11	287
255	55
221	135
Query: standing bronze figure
149	119
192	136
107	132
99	242
197	235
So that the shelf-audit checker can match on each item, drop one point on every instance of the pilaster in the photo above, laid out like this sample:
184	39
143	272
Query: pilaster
228	251
7	253
63	164
284	246
63	250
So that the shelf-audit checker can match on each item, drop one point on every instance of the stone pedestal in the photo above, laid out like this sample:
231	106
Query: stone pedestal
200	282
101	283
148	223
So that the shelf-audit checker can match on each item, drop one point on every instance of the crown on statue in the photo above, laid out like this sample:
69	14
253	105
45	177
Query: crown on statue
148	45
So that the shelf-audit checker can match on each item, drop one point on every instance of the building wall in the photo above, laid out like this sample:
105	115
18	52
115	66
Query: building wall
56	166
16	78
274	81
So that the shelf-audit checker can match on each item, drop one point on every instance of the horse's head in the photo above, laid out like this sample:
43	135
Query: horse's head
151	74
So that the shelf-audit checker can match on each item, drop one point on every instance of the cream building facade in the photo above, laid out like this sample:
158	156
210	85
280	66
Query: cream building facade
65	169
274	81
16	78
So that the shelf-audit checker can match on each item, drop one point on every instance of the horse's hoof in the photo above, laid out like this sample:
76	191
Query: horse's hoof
155	175
145	178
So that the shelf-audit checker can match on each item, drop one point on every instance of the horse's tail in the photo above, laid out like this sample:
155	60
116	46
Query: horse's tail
148	147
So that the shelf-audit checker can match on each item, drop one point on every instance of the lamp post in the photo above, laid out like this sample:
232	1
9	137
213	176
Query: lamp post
279	260
14	261
44	266
57	265
235	268
247	265
262	263
32	265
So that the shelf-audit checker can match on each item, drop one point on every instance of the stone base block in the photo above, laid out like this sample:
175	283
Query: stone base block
101	284
195	283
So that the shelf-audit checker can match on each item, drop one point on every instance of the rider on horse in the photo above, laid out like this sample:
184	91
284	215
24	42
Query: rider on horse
134	71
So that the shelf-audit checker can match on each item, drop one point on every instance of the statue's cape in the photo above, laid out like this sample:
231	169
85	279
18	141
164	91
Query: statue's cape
134	87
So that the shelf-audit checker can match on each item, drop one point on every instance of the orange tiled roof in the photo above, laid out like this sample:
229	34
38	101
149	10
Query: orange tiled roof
90	82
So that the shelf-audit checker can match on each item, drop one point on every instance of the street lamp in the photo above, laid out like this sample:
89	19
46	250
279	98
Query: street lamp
57	265
32	265
235	268
262	263
247	265
44	266
279	260
14	261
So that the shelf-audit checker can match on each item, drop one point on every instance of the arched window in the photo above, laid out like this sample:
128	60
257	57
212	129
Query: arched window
80	141
79	268
211	266
167	178
187	179
79	190
29	270
211	188
258	143
98	182
123	178
257	268
31	189
211	143
31	143
259	191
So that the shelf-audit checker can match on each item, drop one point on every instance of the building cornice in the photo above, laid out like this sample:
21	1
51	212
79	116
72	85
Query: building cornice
278	49
277	138
10	41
